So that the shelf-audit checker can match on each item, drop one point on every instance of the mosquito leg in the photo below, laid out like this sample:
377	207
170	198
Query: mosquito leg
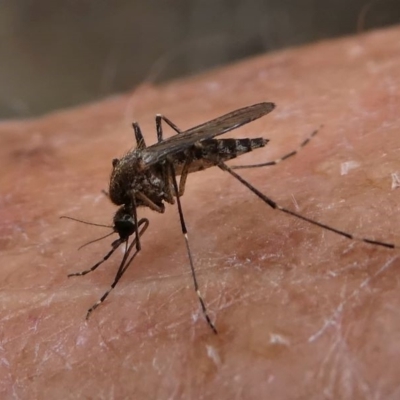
276	206
185	234
137	235
140	143
159	118
169	185
153	206
184	175
116	279
170	188
278	160
146	223
118	276
115	246
123	266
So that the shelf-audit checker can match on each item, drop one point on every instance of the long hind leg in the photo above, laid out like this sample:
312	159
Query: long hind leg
280	159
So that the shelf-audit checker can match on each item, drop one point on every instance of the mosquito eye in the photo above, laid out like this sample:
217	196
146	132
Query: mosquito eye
115	162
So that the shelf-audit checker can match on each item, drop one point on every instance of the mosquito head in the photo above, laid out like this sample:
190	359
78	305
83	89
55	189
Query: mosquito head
124	222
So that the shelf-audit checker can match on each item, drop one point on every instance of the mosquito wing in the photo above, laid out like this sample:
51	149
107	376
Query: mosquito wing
159	151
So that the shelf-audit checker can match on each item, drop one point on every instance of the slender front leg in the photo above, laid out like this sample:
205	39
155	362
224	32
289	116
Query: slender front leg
184	175
159	118
169	187
153	206
140	143
189	252
135	218
124	263
115	246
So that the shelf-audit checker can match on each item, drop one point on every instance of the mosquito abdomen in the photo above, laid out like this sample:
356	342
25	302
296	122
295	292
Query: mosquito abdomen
229	148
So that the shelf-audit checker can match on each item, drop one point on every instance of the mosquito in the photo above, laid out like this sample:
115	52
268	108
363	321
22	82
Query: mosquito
147	177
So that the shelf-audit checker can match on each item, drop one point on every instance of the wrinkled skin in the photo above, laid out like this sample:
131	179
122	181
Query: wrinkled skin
301	313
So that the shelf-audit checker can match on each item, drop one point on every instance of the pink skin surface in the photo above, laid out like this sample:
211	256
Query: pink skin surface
301	312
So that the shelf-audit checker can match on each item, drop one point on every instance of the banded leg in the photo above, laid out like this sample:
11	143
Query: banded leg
124	264
278	160
114	245
276	206
149	203
189	252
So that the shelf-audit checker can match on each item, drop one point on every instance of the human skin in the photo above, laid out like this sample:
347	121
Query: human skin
301	312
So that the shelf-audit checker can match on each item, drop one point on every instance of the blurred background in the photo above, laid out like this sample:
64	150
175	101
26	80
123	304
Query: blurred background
55	54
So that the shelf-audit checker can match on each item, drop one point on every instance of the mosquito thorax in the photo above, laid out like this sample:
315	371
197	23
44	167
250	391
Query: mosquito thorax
124	222
122	179
130	182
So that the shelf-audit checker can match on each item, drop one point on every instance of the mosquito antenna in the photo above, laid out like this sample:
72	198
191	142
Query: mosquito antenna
96	240
276	206
185	234
123	265
85	222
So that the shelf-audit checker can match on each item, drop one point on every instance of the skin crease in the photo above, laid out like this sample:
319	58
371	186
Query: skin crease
301	312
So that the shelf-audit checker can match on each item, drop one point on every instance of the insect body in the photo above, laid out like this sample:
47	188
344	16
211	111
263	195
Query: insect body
133	182
143	176
147	176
